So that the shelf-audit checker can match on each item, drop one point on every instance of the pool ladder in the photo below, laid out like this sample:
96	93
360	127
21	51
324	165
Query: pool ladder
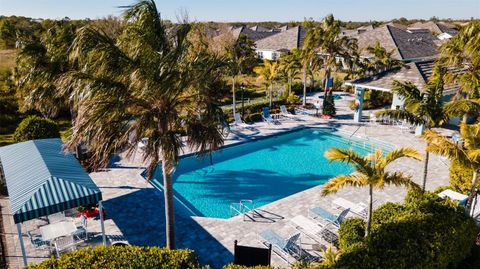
244	207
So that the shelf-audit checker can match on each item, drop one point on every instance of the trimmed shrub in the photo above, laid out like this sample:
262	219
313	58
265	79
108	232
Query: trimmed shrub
293	99
351	232
329	105
123	257
427	232
461	177
35	127
254	117
374	99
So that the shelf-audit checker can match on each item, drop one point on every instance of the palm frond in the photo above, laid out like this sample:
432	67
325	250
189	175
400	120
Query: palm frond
349	156
400	153
400	114
443	146
400	179
338	182
457	108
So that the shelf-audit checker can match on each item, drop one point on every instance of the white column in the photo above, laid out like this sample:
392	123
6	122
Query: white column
100	208
20	237
419	129
359	93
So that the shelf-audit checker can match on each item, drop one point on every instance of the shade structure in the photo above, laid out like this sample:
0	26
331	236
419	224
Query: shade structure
42	179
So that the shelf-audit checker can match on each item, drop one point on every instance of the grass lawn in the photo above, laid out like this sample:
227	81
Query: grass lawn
64	125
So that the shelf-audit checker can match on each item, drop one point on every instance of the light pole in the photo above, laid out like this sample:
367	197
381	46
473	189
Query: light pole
242	87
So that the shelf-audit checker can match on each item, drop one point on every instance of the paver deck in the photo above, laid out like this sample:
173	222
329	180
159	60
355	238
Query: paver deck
136	209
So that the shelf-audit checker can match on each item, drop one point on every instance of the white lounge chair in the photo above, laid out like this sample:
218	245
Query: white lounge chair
286	248
453	195
301	111
284	112
315	230
321	213
238	121
357	208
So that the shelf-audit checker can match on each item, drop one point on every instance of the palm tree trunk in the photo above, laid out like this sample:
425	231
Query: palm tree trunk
312	82
425	169
169	210
304	101
233	96
327	78
472	192
270	95
370	208
289	86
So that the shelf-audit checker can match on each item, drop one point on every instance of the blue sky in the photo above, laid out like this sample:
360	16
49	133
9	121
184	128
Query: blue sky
252	10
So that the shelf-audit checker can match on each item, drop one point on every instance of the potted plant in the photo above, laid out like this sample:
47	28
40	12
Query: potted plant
91	211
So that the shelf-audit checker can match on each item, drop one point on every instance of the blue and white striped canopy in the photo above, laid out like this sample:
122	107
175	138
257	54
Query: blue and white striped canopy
42	179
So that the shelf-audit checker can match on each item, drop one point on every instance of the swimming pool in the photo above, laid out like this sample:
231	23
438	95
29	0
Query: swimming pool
264	171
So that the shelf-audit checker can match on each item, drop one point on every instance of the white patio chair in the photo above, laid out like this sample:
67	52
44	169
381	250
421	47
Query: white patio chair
64	244
373	118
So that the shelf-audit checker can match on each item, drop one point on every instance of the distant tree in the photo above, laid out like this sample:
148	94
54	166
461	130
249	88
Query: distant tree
241	59
290	65
268	72
40	63
7	34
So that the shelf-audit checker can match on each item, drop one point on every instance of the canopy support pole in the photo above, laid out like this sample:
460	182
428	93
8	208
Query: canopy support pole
22	246
100	208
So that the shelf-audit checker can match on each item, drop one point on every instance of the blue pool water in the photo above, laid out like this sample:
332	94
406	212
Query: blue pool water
264	171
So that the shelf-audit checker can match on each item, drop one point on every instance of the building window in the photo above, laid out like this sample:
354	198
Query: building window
260	54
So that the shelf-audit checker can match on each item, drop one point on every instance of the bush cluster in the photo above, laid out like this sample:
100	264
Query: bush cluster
461	177
35	127
253	112
123	257
426	232
374	99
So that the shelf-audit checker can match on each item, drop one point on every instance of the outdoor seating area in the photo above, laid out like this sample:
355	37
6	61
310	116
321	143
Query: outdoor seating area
56	185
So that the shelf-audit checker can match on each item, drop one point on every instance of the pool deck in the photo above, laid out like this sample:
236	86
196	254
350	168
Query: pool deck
135	208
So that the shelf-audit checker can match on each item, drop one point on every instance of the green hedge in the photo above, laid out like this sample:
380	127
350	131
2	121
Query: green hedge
426	232
234	266
461	177
351	232
35	127
253	112
123	257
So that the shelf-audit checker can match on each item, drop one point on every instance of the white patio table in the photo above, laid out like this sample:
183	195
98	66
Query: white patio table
58	229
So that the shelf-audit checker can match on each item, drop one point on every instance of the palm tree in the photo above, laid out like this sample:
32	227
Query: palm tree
149	83
381	59
328	42
240	58
369	171
290	65
468	154
307	55
461	52
421	107
268	72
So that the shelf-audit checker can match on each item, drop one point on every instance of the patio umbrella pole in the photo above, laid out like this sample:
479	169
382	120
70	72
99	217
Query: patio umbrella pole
22	246
100	208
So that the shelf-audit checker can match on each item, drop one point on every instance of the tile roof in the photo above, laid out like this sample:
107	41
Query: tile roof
416	72
285	40
383	81
435	27
251	34
404	44
258	28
